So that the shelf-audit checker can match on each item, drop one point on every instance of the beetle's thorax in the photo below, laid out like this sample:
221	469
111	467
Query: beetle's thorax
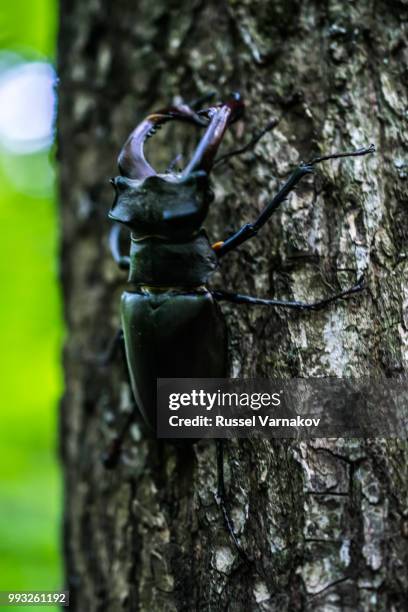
183	262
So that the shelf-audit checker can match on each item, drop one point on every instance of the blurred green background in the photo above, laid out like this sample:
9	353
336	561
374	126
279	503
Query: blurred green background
30	309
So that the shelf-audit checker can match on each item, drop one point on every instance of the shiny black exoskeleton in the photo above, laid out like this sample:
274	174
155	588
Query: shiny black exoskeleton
168	309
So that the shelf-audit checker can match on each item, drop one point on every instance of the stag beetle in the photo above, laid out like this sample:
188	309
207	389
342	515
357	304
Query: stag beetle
172	324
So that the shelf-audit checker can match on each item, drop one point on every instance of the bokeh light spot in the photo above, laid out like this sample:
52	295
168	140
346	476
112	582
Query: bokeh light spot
27	107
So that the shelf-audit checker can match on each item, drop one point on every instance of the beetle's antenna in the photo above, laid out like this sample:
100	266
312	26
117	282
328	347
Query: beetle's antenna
195	104
249	145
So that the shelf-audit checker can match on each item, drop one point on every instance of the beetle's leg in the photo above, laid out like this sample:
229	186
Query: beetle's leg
251	229
123	261
221	496
238	298
111	350
198	102
221	499
111	456
106	357
250	145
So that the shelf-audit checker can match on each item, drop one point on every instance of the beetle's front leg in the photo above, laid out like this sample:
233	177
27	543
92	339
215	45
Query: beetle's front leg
198	102
251	229
123	261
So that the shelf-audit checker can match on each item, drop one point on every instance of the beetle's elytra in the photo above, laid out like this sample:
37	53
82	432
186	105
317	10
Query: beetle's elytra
172	324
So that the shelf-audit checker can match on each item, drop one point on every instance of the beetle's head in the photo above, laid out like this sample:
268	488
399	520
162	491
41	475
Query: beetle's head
149	201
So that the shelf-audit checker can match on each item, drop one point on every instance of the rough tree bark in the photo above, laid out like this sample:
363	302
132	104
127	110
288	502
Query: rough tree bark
326	521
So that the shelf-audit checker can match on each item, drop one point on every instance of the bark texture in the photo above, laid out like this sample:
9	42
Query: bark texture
325	522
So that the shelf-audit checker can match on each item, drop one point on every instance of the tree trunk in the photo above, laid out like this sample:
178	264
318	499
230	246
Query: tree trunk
325	522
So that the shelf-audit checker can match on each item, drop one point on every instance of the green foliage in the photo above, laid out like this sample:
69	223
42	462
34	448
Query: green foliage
29	26
30	336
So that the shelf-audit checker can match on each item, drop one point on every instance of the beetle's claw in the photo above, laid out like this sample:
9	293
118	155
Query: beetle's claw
306	168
